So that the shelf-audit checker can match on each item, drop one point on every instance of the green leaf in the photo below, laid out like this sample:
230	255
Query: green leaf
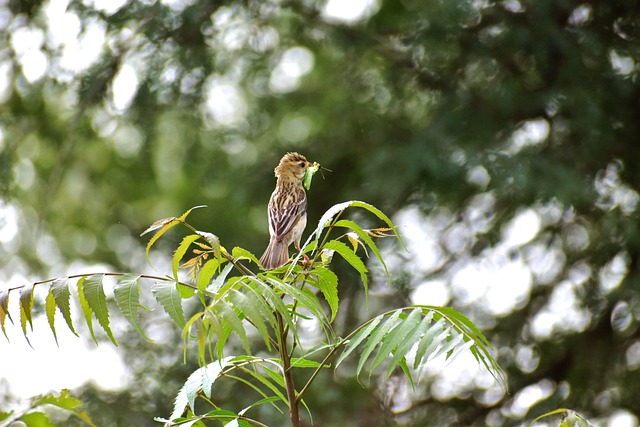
481	348
243	423
405	368
158	224
377	212
231	319
353	259
435	337
364	236
228	418
220	329
63	400
4	310
185	291
328	284
276	383
260	378
463	322
50	309
335	210
187	395
84	416
214	288
162	226
37	419
206	273
301	362
327	217
195	320
127	295
179	253
275	376
257	389
376	338
453	346
61	295
66	402
239	253
213	240
202	332
276	302
450	335
193	386
86	309
360	336
399	334
252	309
26	304
162	222
266	310
97	300
168	297
303	297
427	337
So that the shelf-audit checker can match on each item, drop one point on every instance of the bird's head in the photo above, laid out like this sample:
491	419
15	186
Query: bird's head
292	165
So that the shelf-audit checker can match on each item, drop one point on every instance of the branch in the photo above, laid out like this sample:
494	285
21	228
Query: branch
77	276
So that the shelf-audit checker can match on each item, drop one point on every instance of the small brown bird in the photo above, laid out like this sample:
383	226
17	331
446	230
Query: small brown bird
287	210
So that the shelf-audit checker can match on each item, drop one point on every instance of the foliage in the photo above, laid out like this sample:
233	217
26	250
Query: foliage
461	116
270	303
36	413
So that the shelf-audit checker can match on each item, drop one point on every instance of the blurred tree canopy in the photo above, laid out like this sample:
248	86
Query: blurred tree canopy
480	122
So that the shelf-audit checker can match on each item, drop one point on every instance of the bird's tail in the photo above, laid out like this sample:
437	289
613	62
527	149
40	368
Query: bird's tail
276	255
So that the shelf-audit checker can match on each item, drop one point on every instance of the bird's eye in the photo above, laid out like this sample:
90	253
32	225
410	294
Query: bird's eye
301	164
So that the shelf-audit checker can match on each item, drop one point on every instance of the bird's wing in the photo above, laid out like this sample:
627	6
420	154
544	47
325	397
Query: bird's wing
285	210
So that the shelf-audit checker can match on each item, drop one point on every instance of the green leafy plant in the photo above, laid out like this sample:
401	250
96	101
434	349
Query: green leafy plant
35	412
236	298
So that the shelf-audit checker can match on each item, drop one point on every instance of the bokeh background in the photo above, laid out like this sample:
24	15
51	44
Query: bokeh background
503	137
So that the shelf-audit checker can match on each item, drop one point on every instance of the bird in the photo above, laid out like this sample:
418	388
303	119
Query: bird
287	210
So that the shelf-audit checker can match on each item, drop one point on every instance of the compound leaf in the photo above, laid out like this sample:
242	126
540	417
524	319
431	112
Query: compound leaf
127	295
94	294
169	298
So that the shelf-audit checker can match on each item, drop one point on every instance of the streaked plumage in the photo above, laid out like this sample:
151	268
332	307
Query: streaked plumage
287	210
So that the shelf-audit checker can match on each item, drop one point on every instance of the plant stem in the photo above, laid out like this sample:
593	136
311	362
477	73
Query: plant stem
341	343
294	414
